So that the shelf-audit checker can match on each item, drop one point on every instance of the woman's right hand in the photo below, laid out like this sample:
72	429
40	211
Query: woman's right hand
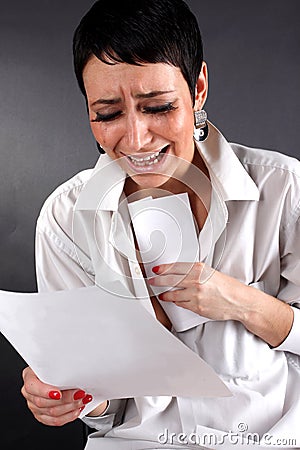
50	405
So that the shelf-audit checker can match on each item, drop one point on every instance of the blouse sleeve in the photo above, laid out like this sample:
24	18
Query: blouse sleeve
61	266
290	281
58	266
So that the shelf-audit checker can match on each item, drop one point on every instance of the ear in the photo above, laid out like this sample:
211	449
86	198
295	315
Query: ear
201	88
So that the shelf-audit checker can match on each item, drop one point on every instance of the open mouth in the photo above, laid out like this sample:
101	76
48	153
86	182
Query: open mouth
149	160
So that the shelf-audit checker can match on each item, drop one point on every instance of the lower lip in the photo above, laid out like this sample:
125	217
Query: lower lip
155	167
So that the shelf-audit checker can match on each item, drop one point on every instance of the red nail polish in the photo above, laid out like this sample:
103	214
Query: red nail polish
160	297
82	408
55	395
87	399
79	394
155	269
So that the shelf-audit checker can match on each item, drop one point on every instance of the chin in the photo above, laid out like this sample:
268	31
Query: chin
148	181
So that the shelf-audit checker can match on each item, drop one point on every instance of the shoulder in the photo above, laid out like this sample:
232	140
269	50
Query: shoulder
277	177
58	207
257	160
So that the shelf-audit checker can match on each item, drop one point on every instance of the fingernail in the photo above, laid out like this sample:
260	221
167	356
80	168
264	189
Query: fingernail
55	395
79	394
155	269
160	297
87	399
82	408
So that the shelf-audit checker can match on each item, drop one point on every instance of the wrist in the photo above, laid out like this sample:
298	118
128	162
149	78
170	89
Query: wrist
267	317
99	410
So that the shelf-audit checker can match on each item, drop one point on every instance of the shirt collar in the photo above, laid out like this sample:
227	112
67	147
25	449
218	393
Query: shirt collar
225	169
103	190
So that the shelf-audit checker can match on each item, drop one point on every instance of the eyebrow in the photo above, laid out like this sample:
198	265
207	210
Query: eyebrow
113	101
153	94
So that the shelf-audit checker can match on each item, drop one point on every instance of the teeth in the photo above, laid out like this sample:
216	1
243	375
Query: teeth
147	160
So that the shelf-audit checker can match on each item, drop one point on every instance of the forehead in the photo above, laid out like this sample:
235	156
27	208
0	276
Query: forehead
110	79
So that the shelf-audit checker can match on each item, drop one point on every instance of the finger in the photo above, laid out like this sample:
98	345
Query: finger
54	410
69	395
69	399
186	305
178	295
170	281
58	421
176	268
35	387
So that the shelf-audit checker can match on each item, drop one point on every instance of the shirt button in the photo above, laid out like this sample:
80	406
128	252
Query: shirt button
137	270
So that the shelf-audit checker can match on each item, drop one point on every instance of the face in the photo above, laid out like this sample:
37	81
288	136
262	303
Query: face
142	116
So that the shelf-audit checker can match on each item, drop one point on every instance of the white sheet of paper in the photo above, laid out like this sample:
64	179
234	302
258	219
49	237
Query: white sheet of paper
108	345
165	231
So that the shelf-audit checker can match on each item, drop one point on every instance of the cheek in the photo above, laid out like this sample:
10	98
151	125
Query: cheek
95	131
183	124
101	134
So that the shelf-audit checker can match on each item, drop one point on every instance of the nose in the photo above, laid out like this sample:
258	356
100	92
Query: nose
137	134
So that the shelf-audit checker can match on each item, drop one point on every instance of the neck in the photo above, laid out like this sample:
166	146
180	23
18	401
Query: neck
191	178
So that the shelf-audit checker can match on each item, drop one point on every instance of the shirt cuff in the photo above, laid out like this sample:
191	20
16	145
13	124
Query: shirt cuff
292	341
101	424
110	417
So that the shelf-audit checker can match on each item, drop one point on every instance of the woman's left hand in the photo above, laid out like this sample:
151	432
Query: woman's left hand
217	296
201	289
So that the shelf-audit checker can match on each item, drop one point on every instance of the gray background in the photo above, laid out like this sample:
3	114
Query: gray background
252	51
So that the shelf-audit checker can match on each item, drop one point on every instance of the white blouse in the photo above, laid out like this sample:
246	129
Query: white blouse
254	237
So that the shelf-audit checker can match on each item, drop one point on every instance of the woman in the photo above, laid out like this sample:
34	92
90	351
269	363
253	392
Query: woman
140	66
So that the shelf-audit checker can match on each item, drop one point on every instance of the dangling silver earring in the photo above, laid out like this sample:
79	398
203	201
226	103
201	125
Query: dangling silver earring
201	126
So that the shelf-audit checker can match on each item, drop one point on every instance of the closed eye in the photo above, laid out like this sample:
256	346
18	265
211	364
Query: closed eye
161	109
106	117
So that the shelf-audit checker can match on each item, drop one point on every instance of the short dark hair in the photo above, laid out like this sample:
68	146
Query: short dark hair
139	32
